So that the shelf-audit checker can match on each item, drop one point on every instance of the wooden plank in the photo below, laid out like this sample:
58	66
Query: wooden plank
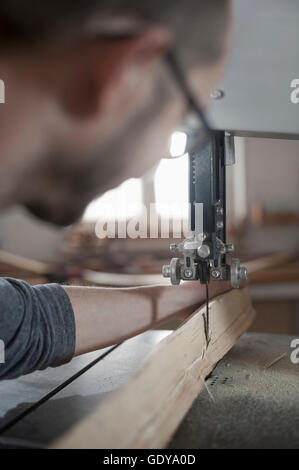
133	280
260	217
121	280
130	280
146	411
38	267
270	261
277	274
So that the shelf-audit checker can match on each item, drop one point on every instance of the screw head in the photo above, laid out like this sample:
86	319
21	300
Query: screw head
217	94
188	273
219	225
215	273
173	247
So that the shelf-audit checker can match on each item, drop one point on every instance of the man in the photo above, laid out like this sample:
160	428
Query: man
90	101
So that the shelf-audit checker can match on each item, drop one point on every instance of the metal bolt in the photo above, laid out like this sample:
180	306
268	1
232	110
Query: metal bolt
166	271
215	273
217	94
203	251
173	247
188	273
222	250
243	273
220	210
229	248
219	225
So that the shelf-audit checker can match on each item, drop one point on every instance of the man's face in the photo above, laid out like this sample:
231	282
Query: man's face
78	122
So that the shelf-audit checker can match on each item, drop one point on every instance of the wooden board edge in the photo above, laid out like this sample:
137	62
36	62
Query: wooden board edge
146	411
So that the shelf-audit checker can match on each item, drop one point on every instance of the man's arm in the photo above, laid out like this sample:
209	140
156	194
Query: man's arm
107	316
37	327
46	325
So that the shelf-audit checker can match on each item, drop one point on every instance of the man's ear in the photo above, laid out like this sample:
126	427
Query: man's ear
112	73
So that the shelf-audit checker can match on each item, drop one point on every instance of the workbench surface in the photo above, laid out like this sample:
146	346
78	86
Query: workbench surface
247	405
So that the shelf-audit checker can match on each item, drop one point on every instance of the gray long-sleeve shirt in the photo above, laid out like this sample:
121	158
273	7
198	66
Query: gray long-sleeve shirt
37	327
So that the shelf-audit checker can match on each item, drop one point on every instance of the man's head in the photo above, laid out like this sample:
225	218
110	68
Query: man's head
89	99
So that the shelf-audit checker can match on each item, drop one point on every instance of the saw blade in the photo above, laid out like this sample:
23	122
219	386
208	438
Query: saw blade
206	316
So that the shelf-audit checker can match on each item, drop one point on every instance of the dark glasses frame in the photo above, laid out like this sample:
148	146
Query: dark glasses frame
182	83
130	28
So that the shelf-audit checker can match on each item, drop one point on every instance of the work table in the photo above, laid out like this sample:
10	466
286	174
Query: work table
246	402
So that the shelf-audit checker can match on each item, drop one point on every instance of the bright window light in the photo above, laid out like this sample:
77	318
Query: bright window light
118	204
171	188
178	142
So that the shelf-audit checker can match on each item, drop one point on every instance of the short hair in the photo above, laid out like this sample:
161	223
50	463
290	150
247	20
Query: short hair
198	26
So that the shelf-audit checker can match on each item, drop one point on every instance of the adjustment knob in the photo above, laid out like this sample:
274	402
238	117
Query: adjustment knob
173	270
238	273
